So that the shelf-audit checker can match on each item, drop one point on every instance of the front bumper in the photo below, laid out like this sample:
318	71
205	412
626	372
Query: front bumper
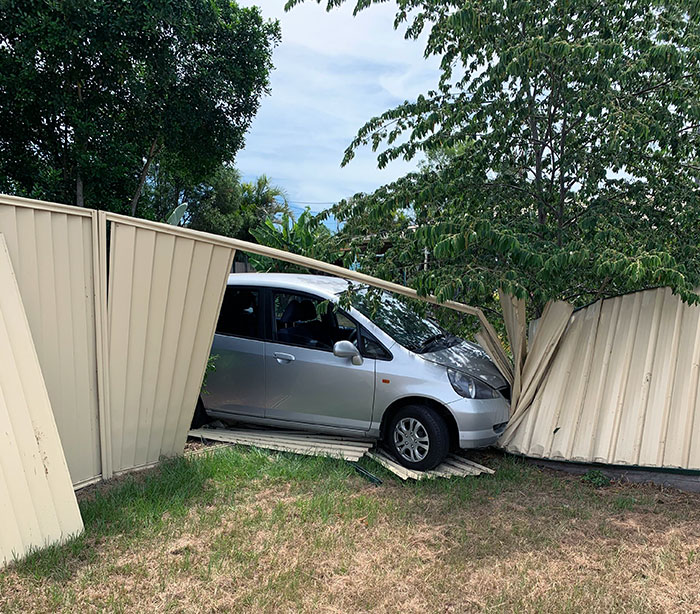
479	421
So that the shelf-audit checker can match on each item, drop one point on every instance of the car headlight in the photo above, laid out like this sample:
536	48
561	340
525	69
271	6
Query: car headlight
470	387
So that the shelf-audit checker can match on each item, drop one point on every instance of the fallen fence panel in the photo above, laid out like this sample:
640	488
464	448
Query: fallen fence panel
453	466
37	503
309	444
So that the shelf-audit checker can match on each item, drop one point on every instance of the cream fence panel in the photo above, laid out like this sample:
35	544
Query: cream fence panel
165	292
52	252
622	387
37	502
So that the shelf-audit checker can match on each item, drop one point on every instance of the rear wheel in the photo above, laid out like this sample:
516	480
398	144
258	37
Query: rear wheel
418	437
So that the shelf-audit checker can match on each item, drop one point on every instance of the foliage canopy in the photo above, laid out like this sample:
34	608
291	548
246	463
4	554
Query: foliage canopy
307	235
92	91
562	148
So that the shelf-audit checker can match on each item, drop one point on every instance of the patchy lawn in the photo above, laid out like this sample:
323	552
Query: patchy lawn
241	530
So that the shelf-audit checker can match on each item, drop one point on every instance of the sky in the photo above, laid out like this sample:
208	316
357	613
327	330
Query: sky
333	72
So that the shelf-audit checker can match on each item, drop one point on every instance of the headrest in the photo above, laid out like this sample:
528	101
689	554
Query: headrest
242	300
307	311
299	312
290	312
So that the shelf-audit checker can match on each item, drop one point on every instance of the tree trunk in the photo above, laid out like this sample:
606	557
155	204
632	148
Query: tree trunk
143	175
562	183
79	200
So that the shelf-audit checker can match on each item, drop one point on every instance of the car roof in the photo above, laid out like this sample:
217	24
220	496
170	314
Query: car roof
321	284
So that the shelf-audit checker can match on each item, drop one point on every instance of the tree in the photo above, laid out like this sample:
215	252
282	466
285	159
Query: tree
93	91
267	199
222	204
215	206
564	139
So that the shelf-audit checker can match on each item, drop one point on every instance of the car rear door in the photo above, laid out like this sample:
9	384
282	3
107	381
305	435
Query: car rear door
306	382
237	385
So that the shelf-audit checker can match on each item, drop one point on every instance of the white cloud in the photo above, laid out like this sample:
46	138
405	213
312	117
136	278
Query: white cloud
332	73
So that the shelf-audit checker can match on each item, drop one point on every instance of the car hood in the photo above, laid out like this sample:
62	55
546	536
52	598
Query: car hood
469	358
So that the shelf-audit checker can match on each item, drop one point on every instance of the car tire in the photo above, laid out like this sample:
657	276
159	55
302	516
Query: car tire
200	417
418	437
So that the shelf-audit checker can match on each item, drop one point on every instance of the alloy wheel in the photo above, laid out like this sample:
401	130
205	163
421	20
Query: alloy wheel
411	439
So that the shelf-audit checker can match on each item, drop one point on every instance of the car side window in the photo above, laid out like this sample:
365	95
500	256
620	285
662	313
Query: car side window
240	313
302	320
346	329
371	348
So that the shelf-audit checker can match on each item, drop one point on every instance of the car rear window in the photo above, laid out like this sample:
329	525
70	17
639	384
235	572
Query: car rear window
240	313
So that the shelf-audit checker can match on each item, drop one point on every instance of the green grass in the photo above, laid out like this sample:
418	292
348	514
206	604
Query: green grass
240	529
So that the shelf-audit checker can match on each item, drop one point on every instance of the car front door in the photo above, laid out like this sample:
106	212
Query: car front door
236	387
306	382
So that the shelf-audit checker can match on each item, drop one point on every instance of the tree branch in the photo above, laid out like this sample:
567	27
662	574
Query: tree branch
144	174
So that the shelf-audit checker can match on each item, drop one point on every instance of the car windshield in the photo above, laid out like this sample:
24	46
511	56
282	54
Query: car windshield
398	320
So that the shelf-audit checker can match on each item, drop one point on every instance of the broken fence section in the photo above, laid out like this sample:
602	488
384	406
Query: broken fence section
123	327
37	503
347	448
622	385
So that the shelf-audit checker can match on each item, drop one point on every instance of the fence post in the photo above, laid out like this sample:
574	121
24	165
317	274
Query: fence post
99	258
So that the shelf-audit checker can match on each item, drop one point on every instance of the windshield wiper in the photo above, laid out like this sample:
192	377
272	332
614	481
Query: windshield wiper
429	341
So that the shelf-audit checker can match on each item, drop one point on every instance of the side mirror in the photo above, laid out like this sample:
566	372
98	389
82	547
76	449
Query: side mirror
345	349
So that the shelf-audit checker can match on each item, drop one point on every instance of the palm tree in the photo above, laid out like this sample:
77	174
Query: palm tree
268	200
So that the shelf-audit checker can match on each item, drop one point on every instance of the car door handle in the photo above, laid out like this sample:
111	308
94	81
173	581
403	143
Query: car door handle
283	357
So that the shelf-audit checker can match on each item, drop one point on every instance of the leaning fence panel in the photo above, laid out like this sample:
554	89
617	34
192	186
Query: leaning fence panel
51	249
165	291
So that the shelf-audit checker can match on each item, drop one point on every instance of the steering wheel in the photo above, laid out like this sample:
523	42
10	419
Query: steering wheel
352	337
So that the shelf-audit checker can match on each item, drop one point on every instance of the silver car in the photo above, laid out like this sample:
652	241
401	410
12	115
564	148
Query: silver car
289	356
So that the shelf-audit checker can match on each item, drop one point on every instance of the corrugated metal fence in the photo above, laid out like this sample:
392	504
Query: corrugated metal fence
165	292
51	247
123	364
622	386
617	382
37	503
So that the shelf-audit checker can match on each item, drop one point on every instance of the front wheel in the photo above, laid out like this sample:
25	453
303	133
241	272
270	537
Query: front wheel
418	437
